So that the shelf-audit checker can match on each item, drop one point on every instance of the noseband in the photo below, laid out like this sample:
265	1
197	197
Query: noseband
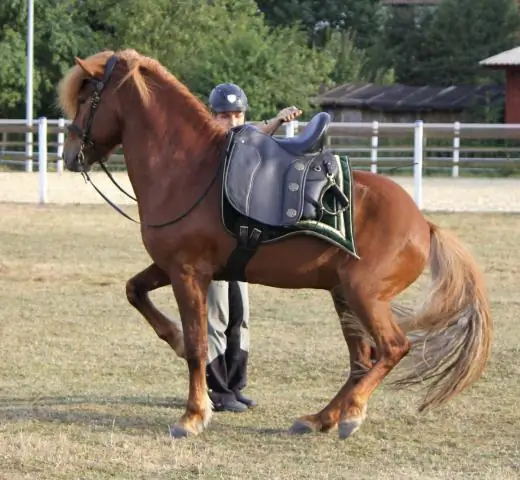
99	85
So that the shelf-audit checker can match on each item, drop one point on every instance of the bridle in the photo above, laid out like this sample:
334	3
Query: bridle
99	85
87	142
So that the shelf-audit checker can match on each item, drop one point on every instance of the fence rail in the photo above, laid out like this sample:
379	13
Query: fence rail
381	147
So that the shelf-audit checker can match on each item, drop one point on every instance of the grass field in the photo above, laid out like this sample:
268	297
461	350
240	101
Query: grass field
88	391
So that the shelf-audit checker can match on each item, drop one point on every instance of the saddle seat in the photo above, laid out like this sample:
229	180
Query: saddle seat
279	182
310	139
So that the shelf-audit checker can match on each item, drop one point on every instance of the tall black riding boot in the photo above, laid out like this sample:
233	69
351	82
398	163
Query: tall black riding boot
237	333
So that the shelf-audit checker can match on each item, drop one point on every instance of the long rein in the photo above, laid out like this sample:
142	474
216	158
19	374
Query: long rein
86	142
118	209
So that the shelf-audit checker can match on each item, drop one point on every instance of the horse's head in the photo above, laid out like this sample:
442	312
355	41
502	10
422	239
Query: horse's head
87	95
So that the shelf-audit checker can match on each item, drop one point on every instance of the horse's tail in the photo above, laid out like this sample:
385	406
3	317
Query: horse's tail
451	332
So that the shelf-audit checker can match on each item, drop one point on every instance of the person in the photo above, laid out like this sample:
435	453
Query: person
228	302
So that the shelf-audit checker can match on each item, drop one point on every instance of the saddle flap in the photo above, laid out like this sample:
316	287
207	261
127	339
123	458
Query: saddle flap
255	178
265	182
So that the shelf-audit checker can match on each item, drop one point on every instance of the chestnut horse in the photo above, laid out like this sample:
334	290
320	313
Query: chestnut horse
173	149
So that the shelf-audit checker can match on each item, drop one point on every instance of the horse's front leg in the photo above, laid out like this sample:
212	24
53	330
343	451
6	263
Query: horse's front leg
191	292
137	289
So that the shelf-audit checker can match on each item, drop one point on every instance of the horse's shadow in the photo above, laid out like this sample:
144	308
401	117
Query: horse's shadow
92	411
95	411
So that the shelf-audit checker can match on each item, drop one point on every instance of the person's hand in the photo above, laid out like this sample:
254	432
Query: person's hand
288	114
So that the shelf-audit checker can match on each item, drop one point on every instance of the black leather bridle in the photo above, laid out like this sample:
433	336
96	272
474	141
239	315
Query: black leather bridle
87	142
99	85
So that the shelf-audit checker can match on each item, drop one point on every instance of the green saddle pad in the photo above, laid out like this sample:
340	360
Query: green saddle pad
337	230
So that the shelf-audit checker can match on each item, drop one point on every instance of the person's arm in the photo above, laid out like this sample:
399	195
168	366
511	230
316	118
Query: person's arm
286	115
268	126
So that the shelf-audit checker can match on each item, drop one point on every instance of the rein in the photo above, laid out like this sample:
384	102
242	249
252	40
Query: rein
113	180
87	178
87	142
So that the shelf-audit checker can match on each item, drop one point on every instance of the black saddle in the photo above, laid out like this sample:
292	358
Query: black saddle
312	137
280	182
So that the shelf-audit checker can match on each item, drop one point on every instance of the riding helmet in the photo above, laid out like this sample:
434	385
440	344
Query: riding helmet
228	97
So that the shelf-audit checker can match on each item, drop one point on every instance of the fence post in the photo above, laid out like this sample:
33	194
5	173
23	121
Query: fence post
29	148
290	128
42	159
3	144
456	149
61	143
374	145
418	152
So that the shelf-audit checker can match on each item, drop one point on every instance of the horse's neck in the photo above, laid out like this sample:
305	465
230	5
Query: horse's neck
166	155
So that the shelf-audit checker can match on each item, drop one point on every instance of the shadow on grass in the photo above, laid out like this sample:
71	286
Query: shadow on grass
103	412
146	401
89	410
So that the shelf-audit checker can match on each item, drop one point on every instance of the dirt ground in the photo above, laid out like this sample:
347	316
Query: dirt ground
439	194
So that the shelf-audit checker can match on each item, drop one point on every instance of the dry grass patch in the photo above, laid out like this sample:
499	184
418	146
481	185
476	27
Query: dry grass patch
87	390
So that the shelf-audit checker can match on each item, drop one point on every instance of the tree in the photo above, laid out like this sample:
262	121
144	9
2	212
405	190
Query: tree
12	72
320	18
443	45
462	33
226	41
402	43
12	63
60	32
353	64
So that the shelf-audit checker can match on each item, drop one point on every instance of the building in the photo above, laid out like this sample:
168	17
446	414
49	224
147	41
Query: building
404	103
509	61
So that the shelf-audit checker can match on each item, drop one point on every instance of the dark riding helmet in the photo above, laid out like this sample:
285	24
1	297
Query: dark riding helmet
228	97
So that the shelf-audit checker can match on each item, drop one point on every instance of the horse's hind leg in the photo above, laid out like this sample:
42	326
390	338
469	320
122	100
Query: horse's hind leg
391	346
361	351
347	409
137	289
361	354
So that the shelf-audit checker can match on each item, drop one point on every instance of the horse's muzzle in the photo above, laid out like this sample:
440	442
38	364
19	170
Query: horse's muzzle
71	157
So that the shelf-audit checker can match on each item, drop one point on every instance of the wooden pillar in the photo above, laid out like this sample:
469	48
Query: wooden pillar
512	95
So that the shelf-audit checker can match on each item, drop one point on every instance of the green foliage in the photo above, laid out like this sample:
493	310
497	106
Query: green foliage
226	41
13	58
462	33
402	43
321	18
443	45
352	63
61	31
12	72
279	52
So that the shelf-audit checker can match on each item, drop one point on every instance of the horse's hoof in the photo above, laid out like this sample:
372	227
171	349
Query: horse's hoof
347	428
179	432
301	427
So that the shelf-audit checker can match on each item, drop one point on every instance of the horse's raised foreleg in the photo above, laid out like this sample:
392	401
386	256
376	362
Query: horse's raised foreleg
137	289
191	295
361	354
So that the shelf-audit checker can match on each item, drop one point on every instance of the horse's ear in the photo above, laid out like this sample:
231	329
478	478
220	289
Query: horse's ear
83	65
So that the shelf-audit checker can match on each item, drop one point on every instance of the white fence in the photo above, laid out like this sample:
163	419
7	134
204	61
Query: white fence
343	138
